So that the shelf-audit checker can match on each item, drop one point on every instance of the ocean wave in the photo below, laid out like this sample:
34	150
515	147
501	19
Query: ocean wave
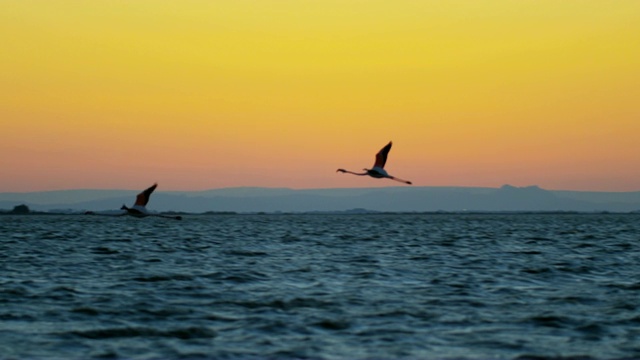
129	332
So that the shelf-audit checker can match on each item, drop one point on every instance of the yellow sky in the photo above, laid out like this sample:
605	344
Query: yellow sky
199	94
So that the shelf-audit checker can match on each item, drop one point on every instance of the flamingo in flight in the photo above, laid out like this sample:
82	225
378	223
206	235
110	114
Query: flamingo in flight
139	207
378	170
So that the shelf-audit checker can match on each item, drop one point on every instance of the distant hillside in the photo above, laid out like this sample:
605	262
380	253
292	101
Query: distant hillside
246	199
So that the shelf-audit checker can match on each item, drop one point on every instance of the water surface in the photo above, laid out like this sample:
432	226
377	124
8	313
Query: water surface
427	286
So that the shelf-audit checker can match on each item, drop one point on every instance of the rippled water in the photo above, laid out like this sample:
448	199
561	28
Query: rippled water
320	286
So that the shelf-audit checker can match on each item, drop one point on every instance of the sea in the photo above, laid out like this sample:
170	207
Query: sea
321	286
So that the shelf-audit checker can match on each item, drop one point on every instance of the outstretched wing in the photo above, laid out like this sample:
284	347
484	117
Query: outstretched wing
143	198
381	156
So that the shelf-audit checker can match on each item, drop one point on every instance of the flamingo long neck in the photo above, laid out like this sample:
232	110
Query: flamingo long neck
355	173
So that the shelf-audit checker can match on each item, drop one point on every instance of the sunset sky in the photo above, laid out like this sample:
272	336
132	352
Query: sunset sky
201	94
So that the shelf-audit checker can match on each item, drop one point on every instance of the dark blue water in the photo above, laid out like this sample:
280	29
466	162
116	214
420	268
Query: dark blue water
320	286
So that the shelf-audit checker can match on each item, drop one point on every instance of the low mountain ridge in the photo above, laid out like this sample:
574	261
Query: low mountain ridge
395	199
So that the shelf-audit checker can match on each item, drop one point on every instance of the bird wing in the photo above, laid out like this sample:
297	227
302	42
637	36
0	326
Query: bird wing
381	156
143	198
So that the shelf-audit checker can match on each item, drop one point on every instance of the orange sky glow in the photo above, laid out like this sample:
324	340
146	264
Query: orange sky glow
197	94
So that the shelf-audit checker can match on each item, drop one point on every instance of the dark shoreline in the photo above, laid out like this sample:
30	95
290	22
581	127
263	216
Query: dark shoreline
345	212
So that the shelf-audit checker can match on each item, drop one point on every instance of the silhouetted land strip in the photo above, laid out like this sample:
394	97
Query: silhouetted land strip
21	211
24	210
383	199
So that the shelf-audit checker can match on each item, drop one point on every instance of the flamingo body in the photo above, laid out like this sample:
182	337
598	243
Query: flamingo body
377	172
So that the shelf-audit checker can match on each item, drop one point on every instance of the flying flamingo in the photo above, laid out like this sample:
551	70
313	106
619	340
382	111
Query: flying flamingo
139	207
378	170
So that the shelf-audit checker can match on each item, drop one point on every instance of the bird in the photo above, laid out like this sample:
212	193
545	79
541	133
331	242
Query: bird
378	170
139	207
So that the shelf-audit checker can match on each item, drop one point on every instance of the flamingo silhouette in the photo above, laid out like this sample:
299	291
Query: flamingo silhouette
378	170
139	207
